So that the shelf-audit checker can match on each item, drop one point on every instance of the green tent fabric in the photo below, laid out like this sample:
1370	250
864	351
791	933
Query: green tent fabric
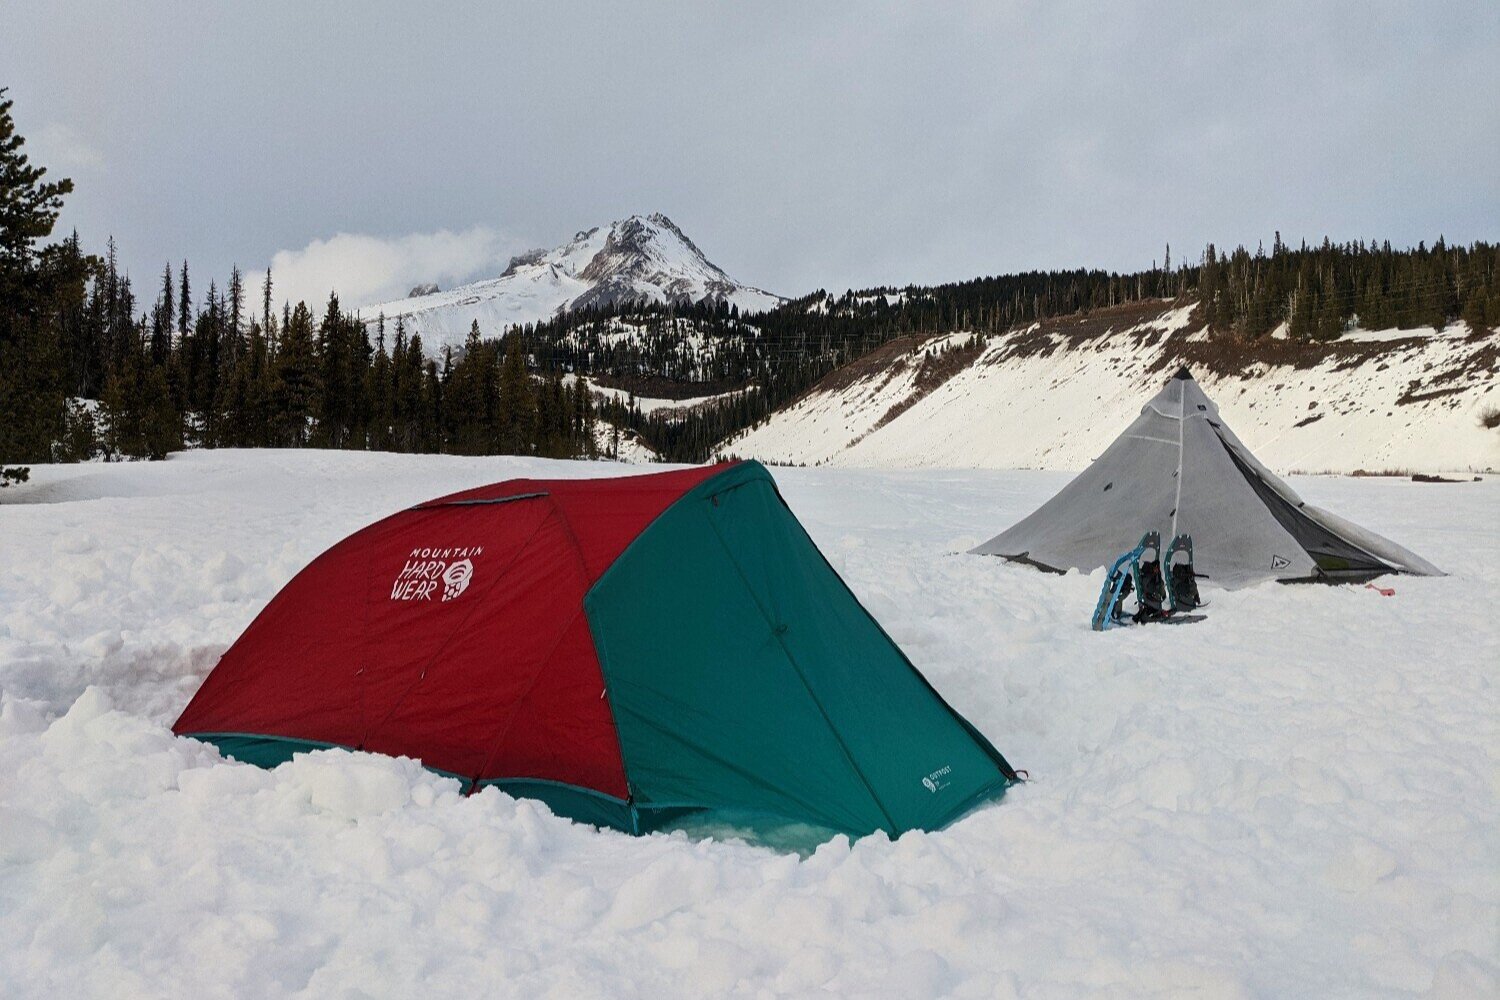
745	675
634	652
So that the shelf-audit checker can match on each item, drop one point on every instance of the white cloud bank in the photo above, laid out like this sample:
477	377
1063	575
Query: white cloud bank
366	270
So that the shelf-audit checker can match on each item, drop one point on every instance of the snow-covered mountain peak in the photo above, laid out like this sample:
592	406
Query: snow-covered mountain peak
639	258
652	252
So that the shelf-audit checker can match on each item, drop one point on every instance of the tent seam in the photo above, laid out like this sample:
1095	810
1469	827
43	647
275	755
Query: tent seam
541	666
599	640
438	505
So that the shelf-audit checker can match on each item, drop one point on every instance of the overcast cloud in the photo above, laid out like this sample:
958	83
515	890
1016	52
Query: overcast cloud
378	145
366	269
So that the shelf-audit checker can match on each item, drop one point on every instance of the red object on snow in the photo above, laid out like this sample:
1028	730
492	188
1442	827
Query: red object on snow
1382	591
353	677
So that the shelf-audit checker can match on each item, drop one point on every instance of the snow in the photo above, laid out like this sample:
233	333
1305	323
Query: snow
628	447
650	404
1297	797
1455	332
659	264
1060	409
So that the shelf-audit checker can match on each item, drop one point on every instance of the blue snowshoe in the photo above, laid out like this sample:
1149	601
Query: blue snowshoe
1138	570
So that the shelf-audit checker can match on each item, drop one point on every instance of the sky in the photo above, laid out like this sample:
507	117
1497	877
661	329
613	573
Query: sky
374	146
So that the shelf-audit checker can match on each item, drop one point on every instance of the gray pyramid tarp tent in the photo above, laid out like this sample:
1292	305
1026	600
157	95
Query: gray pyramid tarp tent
1178	468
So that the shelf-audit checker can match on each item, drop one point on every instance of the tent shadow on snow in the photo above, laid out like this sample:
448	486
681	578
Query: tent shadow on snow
1178	468
636	652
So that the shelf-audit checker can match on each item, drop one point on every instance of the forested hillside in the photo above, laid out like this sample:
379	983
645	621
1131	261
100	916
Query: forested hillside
1308	294
90	366
1055	393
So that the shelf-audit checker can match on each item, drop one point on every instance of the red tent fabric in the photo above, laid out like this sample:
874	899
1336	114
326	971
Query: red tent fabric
399	662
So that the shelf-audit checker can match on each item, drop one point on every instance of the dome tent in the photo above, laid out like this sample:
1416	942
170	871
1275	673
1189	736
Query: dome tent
624	649
1180	469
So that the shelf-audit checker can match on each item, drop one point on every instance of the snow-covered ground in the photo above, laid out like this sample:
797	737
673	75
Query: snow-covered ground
1399	408
1295	798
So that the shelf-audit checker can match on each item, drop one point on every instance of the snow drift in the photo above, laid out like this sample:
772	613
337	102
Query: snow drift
1293	798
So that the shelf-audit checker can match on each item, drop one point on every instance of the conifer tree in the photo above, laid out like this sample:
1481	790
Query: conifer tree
432	399
467	398
29	206
252	391
295	385
36	284
378	381
447	426
184	306
204	371
162	319
139	415
234	316
335	402
410	404
398	384
518	409
265	302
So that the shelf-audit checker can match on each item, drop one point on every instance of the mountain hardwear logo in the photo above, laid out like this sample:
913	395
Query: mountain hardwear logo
427	567
1277	562
456	578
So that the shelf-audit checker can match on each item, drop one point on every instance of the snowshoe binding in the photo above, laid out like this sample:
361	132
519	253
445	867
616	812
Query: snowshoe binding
1150	586
1181	579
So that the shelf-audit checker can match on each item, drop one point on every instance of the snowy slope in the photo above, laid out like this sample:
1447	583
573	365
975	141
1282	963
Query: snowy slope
1054	396
639	258
621	444
1293	799
651	404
